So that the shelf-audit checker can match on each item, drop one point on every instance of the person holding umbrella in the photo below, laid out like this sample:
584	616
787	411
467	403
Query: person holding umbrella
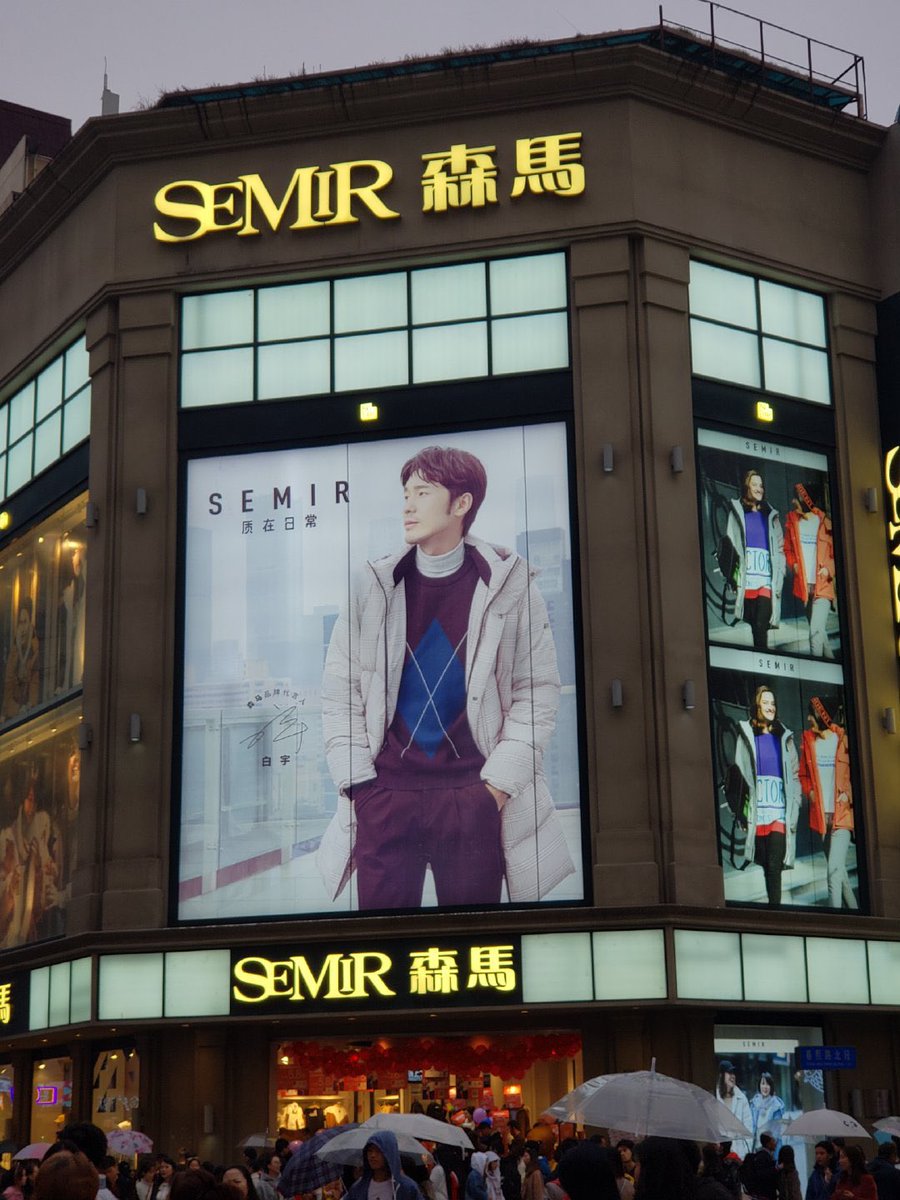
382	1177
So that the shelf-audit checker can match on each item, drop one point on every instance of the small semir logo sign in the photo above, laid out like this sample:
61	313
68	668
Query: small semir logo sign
398	974
314	197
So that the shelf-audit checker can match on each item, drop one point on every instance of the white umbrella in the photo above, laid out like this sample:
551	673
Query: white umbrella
256	1139
646	1102
417	1125
823	1123
889	1125
348	1147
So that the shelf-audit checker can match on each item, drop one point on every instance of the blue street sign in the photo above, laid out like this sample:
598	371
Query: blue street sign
826	1058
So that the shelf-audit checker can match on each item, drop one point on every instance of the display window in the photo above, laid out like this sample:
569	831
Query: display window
7	1097
42	611
318	1085
51	1097
40	780
757	1077
328	680
783	739
116	1094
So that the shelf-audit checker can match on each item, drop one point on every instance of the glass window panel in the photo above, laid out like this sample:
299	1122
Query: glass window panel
723	295
4	419
46	442
49	388
216	377
556	966
375	360
131	986
708	965
294	369
59	993
3	489
527	284
78	364
630	964
449	293
198	983
21	412
370	302
76	420
722	353
39	998
828	959
450	352
774	967
530	343
19	465
296	311
884	972
217	319
80	1001
796	371
790	313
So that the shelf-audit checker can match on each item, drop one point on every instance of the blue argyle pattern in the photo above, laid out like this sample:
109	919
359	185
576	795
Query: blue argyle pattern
432	690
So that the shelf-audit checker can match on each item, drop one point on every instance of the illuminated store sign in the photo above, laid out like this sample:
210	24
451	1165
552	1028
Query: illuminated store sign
13	1003
892	483
412	973
458	176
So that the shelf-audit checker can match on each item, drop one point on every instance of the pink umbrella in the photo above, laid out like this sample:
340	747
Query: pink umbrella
129	1141
33	1150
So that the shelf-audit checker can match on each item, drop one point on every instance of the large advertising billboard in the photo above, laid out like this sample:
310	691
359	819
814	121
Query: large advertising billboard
380	707
782	738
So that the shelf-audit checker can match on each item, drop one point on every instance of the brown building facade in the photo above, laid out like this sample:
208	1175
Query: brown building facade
644	293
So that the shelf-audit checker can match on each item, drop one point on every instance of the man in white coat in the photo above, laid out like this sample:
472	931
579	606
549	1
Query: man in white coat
439	697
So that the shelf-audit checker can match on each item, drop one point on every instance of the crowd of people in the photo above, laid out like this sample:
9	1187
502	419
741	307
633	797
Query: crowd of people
500	1167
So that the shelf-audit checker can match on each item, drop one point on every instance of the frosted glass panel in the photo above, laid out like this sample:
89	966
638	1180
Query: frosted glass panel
77	367
216	377
708	965
131	986
790	313
39	998
724	353
796	371
837	959
376	360
80	994
530	343
630	965
723	295
198	983
450	352
449	293
294	369
49	388
884	972
4	420
59	994
774	967
217	319
21	412
19	466
46	442
76	420
298	311
370	302
527	284
556	966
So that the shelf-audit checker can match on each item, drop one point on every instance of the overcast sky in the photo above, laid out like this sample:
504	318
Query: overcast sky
52	51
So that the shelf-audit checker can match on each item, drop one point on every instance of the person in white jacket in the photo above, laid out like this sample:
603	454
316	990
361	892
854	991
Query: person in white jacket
439	696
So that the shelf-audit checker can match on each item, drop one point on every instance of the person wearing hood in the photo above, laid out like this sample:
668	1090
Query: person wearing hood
476	1181
382	1176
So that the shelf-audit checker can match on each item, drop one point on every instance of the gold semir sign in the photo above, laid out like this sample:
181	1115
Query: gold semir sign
314	197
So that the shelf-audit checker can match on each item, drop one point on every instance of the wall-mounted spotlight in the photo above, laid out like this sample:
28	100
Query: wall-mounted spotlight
135	731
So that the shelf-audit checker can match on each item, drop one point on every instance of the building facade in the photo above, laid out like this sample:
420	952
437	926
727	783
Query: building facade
644	292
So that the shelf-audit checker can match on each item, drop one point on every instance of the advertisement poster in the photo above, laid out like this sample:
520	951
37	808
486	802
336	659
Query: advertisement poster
757	1077
380	706
783	748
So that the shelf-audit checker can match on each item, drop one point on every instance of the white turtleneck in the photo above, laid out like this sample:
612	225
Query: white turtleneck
435	566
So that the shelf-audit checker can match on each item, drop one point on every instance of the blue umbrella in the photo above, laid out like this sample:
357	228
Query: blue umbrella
305	1171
